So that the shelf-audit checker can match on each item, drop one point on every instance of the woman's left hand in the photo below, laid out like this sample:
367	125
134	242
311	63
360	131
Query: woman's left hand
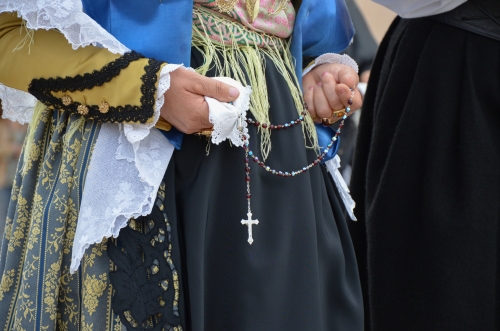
327	88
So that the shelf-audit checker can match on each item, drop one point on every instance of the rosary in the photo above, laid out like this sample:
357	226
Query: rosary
250	155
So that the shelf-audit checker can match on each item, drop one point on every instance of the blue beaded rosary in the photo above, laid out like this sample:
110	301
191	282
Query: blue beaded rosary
250	155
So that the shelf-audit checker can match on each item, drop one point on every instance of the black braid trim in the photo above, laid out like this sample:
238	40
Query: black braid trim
42	90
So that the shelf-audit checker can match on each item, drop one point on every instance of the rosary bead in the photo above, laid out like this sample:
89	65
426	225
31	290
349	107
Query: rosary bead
271	127
246	160
249	196
247	169
250	153
247	178
348	109
349	102
256	123
264	126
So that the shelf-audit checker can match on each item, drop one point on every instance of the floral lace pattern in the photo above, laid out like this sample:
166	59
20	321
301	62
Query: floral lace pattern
68	17
120	186
17	105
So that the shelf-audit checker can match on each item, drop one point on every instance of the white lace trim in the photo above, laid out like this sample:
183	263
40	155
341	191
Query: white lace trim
137	132
333	166
227	117
68	17
17	105
332	58
124	186
115	190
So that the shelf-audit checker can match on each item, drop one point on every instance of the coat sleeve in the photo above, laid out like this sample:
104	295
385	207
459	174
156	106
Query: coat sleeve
90	81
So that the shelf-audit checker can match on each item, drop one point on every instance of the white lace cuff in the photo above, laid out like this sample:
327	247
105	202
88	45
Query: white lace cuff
332	58
122	185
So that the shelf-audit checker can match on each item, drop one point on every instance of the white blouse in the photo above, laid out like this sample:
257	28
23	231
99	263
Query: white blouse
419	8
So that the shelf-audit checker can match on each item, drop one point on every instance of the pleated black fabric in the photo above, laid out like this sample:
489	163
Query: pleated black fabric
426	179
300	273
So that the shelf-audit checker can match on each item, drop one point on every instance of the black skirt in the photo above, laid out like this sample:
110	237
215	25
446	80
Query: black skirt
300	273
426	180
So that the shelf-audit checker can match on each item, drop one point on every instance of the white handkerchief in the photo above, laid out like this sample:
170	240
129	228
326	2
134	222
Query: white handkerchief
227	118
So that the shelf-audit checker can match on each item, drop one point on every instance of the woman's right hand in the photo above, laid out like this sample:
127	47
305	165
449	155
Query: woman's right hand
185	106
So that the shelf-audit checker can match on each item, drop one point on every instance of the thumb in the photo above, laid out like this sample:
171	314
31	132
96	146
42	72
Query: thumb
216	89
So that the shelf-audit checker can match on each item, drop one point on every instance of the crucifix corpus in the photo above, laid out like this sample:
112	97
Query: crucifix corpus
249	222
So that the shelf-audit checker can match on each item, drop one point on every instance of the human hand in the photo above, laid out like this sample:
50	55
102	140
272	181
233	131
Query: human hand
185	106
327	88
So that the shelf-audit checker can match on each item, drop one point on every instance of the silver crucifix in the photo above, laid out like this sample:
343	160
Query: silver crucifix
249	222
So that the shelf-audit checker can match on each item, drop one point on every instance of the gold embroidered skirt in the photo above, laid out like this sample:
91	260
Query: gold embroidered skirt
37	291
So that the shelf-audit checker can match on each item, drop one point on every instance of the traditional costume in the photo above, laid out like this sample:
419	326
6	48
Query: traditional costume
426	170
181	260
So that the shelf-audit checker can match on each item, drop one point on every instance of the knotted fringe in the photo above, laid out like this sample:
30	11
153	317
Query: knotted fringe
237	52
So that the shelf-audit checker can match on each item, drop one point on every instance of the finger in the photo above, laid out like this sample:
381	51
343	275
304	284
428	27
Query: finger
203	115
215	89
308	99
321	105
309	81
348	76
329	89
348	98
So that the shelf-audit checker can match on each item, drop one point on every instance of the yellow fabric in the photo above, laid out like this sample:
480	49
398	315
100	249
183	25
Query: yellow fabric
49	55
163	125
